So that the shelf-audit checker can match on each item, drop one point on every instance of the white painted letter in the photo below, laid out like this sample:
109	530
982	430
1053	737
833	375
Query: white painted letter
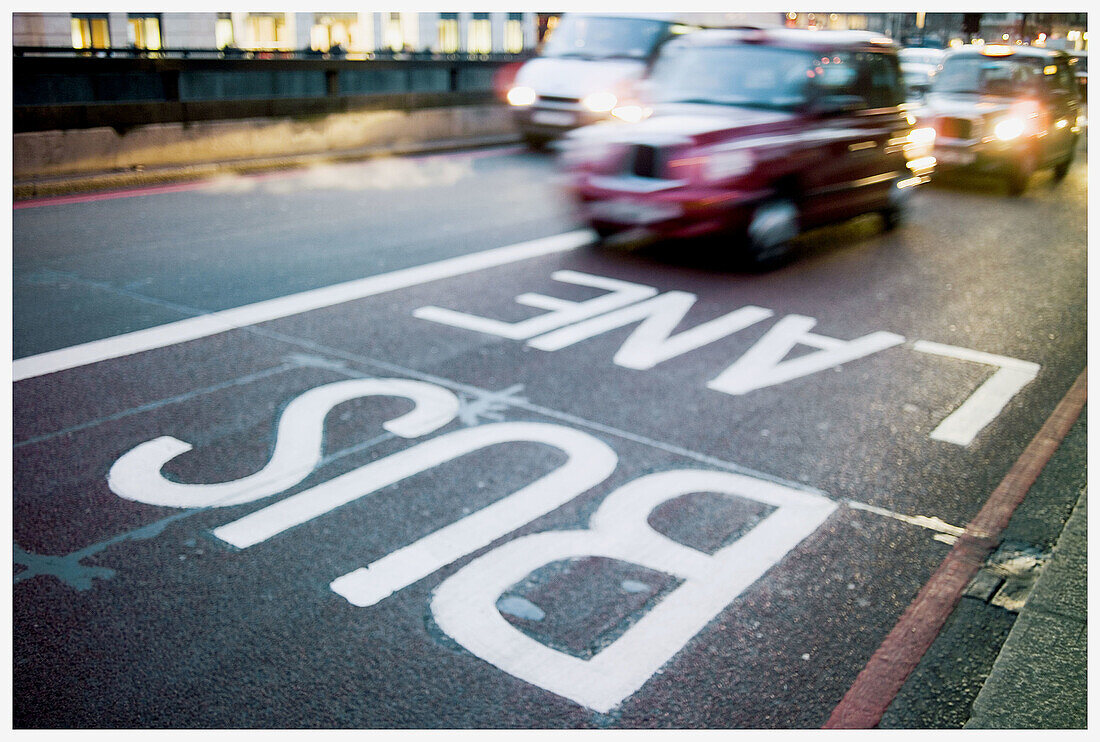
137	474
652	341
464	605
562	312
763	364
590	462
982	407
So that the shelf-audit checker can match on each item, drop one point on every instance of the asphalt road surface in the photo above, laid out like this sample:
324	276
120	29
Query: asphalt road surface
392	445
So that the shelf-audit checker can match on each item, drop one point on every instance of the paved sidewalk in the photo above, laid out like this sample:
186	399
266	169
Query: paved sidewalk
1039	680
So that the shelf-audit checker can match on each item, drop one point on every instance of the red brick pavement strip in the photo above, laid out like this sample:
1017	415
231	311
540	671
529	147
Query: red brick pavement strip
879	682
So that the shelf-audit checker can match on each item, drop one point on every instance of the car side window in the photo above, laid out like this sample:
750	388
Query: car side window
883	84
836	74
1064	79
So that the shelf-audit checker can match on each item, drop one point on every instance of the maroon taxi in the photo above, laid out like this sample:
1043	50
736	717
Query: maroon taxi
756	134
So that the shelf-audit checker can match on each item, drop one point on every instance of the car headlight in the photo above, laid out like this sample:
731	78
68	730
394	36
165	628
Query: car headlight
725	164
923	135
600	102
1009	128
521	95
632	113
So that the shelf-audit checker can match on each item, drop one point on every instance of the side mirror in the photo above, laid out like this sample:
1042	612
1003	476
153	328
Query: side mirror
828	105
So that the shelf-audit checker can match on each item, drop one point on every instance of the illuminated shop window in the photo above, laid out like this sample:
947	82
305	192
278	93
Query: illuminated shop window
448	33
402	31
332	29
480	39
394	36
362	36
143	31
513	33
89	31
223	31
268	30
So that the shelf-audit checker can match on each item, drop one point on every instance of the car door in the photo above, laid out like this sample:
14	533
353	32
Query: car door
858	139
1061	92
878	155
832	137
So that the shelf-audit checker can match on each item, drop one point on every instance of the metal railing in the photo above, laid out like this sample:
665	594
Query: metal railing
55	88
267	54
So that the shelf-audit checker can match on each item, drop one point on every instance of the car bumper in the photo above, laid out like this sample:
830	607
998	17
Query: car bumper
984	156
670	210
552	122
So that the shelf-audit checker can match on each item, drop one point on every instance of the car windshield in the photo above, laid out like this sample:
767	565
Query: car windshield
597	37
921	56
1007	76
744	75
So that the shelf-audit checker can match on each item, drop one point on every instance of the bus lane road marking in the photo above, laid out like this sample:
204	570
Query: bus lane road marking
766	363
566	323
464	604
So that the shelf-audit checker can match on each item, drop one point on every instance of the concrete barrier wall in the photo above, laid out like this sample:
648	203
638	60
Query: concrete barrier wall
98	150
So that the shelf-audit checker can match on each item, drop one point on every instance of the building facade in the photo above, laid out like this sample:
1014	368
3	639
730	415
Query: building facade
362	34
354	34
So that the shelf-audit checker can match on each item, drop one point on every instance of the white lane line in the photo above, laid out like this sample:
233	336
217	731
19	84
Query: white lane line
982	407
944	531
264	311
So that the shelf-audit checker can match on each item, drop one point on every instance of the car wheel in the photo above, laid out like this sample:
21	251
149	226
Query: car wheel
604	231
897	207
1022	172
772	227
536	142
1061	170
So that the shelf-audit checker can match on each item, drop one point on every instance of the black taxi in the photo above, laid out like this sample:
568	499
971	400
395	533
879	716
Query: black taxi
1005	110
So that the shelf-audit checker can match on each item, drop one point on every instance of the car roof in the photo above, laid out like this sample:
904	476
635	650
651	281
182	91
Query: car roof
1006	51
793	38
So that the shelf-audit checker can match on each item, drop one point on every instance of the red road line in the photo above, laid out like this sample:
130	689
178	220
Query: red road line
191	185
107	195
879	682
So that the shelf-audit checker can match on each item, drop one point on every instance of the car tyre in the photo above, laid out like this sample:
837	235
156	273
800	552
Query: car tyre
536	142
604	232
1022	172
773	225
897	208
1061	170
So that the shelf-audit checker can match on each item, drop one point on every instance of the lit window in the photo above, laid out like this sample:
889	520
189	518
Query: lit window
223	31
332	29
267	30
318	38
448	33
480	35
362	36
89	31
395	39
513	33
143	31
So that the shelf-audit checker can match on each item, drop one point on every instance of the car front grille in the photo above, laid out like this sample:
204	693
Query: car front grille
956	128
646	161
558	99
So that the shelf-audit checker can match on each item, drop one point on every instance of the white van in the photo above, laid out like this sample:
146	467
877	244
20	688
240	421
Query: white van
589	62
